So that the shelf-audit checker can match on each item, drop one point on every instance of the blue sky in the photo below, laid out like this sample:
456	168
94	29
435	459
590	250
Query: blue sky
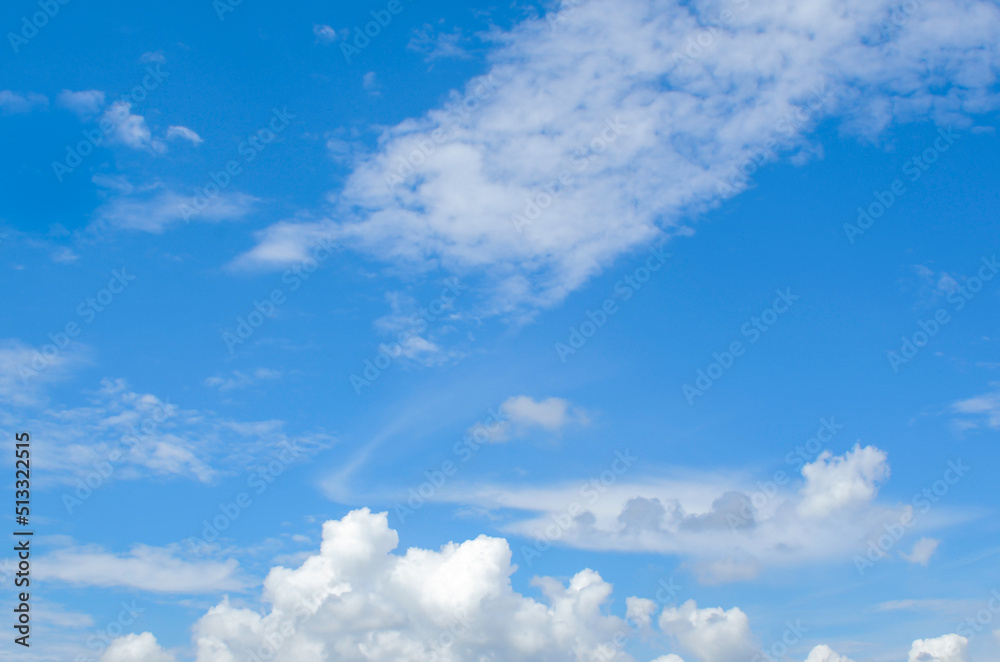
467	341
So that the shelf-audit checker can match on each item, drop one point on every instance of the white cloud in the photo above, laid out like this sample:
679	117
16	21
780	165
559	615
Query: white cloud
12	103
729	527
184	133
86	104
136	648
356	600
125	435
25	371
435	44
129	129
154	212
948	648
550	414
922	551
143	568
237	380
686	124
980	411
824	653
327	35
713	634
834	483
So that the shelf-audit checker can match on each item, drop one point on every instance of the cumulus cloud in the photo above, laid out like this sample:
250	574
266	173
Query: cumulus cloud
357	600
833	483
922	551
712	635
729	527
948	648
143	568
136	648
824	653
12	103
86	104
593	132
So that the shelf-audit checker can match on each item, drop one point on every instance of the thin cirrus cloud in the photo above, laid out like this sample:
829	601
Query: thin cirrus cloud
356	599
978	411
184	133
144	568
646	131
156	209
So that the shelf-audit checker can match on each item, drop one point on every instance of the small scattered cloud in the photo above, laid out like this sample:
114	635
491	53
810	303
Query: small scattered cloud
525	413
370	82
327	35
979	411
238	380
922	551
435	44
130	129
153	56
86	104
13	103
184	133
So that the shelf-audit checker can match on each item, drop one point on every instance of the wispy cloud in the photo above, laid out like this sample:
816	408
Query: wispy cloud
604	131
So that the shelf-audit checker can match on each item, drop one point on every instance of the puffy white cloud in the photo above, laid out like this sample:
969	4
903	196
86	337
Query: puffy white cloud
646	127
948	648
86	103
136	648
824	653
922	551
12	103
144	568
712	634
357	600
184	133
835	483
